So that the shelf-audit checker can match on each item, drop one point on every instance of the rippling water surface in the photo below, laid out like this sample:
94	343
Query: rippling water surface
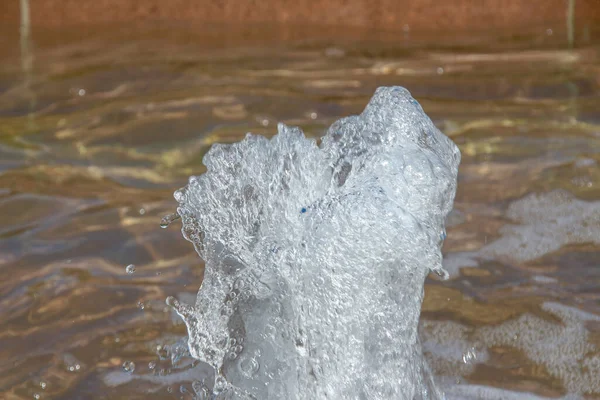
99	126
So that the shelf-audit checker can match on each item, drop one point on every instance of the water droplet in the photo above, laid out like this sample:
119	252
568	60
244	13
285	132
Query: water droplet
162	352
129	366
470	356
141	305
142	211
130	269
442	273
81	92
440	71
313	115
168	219
335	52
265	122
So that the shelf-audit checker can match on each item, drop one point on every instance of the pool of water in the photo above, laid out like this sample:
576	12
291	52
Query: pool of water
98	127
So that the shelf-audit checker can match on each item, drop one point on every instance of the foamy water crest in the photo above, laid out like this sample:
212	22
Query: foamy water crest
316	256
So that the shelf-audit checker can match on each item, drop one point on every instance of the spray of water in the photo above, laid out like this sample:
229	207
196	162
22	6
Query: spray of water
316	256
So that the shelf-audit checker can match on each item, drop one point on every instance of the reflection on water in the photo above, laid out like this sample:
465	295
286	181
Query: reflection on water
100	127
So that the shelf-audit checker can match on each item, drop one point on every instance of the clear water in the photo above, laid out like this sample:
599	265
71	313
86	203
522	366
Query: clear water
98	127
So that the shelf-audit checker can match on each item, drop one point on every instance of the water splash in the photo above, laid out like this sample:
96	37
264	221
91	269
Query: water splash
316	256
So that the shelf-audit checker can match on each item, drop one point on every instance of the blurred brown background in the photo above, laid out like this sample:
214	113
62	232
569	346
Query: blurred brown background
427	15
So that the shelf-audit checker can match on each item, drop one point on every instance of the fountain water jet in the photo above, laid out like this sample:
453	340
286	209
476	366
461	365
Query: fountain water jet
316	256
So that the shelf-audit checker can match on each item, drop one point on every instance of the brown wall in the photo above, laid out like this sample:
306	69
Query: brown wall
424	15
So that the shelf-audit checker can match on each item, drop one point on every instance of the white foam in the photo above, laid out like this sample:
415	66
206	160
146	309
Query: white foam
564	349
543	224
316	256
447	344
477	392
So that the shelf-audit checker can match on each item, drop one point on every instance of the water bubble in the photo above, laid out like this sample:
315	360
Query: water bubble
129	366
36	396
220	384
264	122
249	366
130	269
313	115
168	219
201	390
81	92
151	365
169	389
43	384
141	305
178	195
71	363
142	211
239	283
440	71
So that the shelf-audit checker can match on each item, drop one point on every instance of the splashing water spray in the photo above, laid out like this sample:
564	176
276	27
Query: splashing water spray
316	256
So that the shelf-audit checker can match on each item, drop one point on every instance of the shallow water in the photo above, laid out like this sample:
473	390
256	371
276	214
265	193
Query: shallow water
99	126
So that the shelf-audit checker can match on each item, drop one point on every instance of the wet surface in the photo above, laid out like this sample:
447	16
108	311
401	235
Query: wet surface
98	127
